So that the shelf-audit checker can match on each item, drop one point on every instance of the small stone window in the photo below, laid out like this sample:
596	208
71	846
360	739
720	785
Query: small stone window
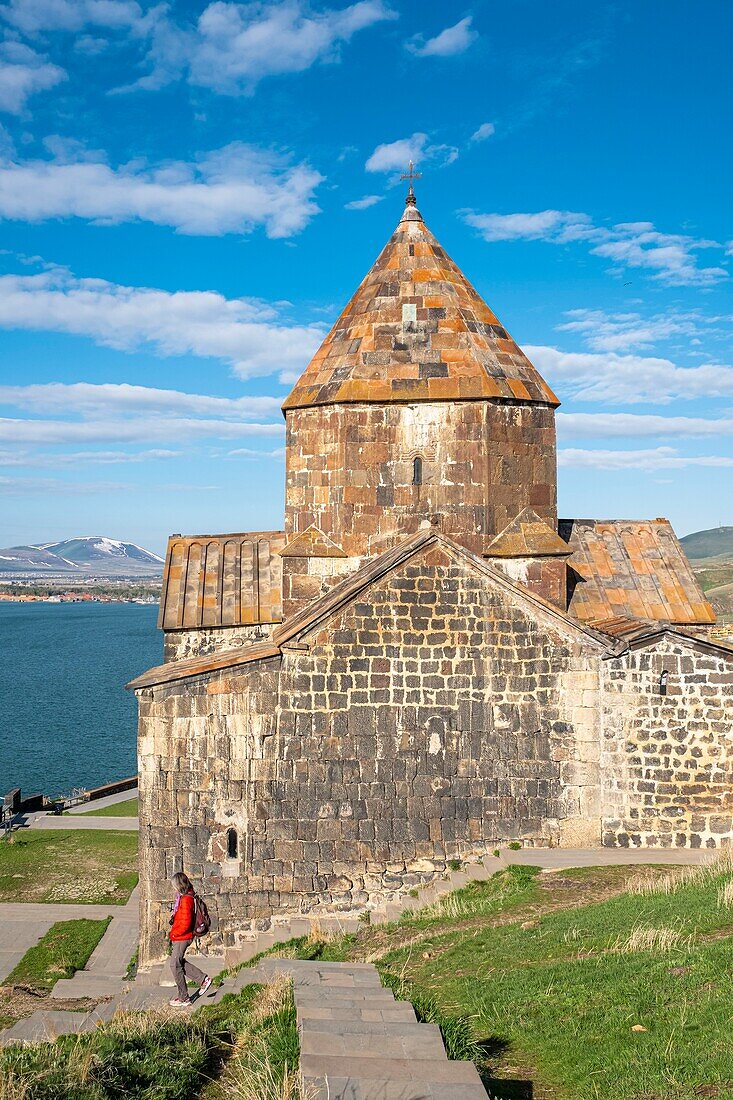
417	471
663	682
232	844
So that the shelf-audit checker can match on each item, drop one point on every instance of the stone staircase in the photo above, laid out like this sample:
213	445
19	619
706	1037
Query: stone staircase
357	1041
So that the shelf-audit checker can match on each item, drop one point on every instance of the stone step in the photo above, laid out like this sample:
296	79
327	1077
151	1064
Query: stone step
210	964
435	1070
151	976
366	1027
315	994
114	951
44	1026
386	1089
458	879
424	1045
316	966
387	1013
84	984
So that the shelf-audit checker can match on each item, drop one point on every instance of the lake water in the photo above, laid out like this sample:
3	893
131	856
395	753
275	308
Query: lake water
65	717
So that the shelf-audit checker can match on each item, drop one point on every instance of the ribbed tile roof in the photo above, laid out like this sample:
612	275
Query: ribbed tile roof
416	330
222	580
631	569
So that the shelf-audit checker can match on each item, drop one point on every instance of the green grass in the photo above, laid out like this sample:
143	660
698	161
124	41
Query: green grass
250	1037
118	809
63	950
564	994
68	865
544	989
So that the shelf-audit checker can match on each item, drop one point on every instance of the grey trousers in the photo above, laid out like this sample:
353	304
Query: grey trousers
182	970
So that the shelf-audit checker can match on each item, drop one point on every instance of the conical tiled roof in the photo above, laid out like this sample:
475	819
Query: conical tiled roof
416	330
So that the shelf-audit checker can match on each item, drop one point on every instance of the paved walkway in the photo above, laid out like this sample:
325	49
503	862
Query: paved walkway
22	924
103	803
50	821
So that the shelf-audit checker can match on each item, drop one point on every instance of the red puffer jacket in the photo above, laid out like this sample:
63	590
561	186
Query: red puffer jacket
184	919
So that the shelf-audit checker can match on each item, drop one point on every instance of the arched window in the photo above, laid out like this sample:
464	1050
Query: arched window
417	471
232	844
663	682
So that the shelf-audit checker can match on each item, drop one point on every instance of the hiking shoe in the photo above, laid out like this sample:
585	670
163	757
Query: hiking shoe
178	1003
204	985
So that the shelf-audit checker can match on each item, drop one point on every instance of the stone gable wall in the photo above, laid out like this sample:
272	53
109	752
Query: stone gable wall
431	719
667	760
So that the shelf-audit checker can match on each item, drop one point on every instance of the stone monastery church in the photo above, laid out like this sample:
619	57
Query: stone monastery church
426	662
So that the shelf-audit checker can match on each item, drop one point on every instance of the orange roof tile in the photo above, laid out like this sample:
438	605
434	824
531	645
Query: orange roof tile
415	319
222	580
629	569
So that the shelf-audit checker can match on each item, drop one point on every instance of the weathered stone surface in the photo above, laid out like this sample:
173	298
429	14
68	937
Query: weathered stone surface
419	705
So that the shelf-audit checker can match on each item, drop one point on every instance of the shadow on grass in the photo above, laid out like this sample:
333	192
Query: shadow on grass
501	1088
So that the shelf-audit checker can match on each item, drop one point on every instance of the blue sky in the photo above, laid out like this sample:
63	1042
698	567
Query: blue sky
189	192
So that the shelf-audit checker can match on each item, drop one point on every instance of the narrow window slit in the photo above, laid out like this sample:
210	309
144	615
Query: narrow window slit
417	471
232	844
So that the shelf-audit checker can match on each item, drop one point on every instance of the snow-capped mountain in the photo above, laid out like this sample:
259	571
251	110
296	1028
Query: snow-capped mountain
89	555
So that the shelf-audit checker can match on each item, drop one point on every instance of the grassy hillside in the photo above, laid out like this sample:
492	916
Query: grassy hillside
584	985
717	542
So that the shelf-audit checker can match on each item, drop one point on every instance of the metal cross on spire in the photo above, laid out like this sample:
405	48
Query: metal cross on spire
411	175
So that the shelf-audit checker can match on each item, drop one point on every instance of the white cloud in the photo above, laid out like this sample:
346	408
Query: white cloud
670	257
249	452
628	379
363	204
629	425
233	46
557	226
625	331
451	41
121	399
395	155
34	16
37	460
657	458
485	130
48	487
133	430
246	333
229	190
23	73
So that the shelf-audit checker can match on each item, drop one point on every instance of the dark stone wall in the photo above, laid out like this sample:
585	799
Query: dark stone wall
667	760
426	722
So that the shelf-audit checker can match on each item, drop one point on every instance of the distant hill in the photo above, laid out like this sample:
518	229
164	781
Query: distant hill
715	543
88	556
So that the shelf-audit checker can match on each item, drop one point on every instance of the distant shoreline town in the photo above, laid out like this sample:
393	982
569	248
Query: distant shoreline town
92	590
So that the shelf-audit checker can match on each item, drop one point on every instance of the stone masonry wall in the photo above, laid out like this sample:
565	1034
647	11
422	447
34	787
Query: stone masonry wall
179	644
667	760
198	742
433	718
350	470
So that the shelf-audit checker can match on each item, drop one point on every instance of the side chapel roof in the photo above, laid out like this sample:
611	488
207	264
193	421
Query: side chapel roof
416	330
222	580
608	639
633	570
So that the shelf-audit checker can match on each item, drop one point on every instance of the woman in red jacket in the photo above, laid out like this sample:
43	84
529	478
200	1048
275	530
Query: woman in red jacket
183	926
